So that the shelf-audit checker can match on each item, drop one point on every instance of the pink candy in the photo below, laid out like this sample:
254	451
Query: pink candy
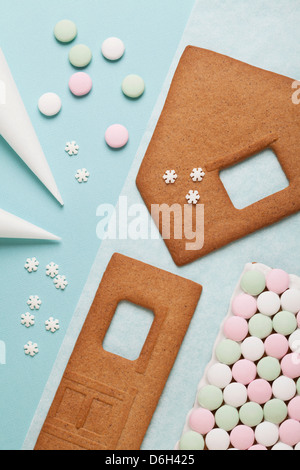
202	421
242	437
80	84
244	306
236	329
276	346
116	136
244	371
290	432
260	391
294	408
278	281
258	447
290	365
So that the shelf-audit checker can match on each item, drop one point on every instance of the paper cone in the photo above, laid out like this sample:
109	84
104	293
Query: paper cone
17	129
14	227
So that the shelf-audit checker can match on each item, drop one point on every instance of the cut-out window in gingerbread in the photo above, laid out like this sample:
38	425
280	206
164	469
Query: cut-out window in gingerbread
219	112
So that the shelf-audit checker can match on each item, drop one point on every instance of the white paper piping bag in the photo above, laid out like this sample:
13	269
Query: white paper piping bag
14	227
16	128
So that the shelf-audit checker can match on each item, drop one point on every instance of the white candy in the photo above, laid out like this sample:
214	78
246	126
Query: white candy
113	48
268	303
267	434
297	447
294	341
219	375
217	439
281	446
49	104
235	395
284	388
253	349
290	300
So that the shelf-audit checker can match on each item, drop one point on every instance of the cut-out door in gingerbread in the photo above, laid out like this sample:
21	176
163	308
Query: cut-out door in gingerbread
218	112
105	401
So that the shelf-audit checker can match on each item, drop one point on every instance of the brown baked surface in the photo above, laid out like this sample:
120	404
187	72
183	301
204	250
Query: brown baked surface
220	111
105	401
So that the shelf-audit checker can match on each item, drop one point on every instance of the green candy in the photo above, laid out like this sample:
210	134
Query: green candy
80	56
133	86
285	323
269	369
210	397
253	282
260	326
275	411
228	352
191	441
65	31
227	418
251	414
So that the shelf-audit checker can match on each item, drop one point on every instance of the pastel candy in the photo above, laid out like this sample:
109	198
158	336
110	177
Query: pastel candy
253	349
65	31
282	447
244	371
290	365
80	56
268	303
275	411
289	432
219	375
80	84
284	388
133	86
116	136
244	306
242	437
251	414
191	441
113	48
276	346
290	300
258	447
210	397
236	328
278	281
260	326
297	447
294	408
298	386
285	323
217	439
268	368
294	341
49	104
267	434
227	417
253	283
201	421
260	391
298	319
235	395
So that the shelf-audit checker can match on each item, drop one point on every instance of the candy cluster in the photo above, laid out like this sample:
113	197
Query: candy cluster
251	400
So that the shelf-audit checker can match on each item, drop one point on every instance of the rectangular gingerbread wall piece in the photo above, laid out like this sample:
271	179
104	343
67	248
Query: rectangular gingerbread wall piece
106	402
219	112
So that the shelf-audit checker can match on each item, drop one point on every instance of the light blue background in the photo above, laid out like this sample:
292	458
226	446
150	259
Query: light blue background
151	31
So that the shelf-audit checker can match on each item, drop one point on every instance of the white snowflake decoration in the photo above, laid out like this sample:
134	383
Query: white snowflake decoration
197	174
170	176
27	320
60	282
52	325
82	175
31	349
34	302
193	197
72	148
31	265
52	270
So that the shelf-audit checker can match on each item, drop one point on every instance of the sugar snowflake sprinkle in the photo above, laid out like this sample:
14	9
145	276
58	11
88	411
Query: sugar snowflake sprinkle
52	270
170	176
52	325
197	174
72	148
60	282
193	197
31	349
31	265
34	302
82	175
27	320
